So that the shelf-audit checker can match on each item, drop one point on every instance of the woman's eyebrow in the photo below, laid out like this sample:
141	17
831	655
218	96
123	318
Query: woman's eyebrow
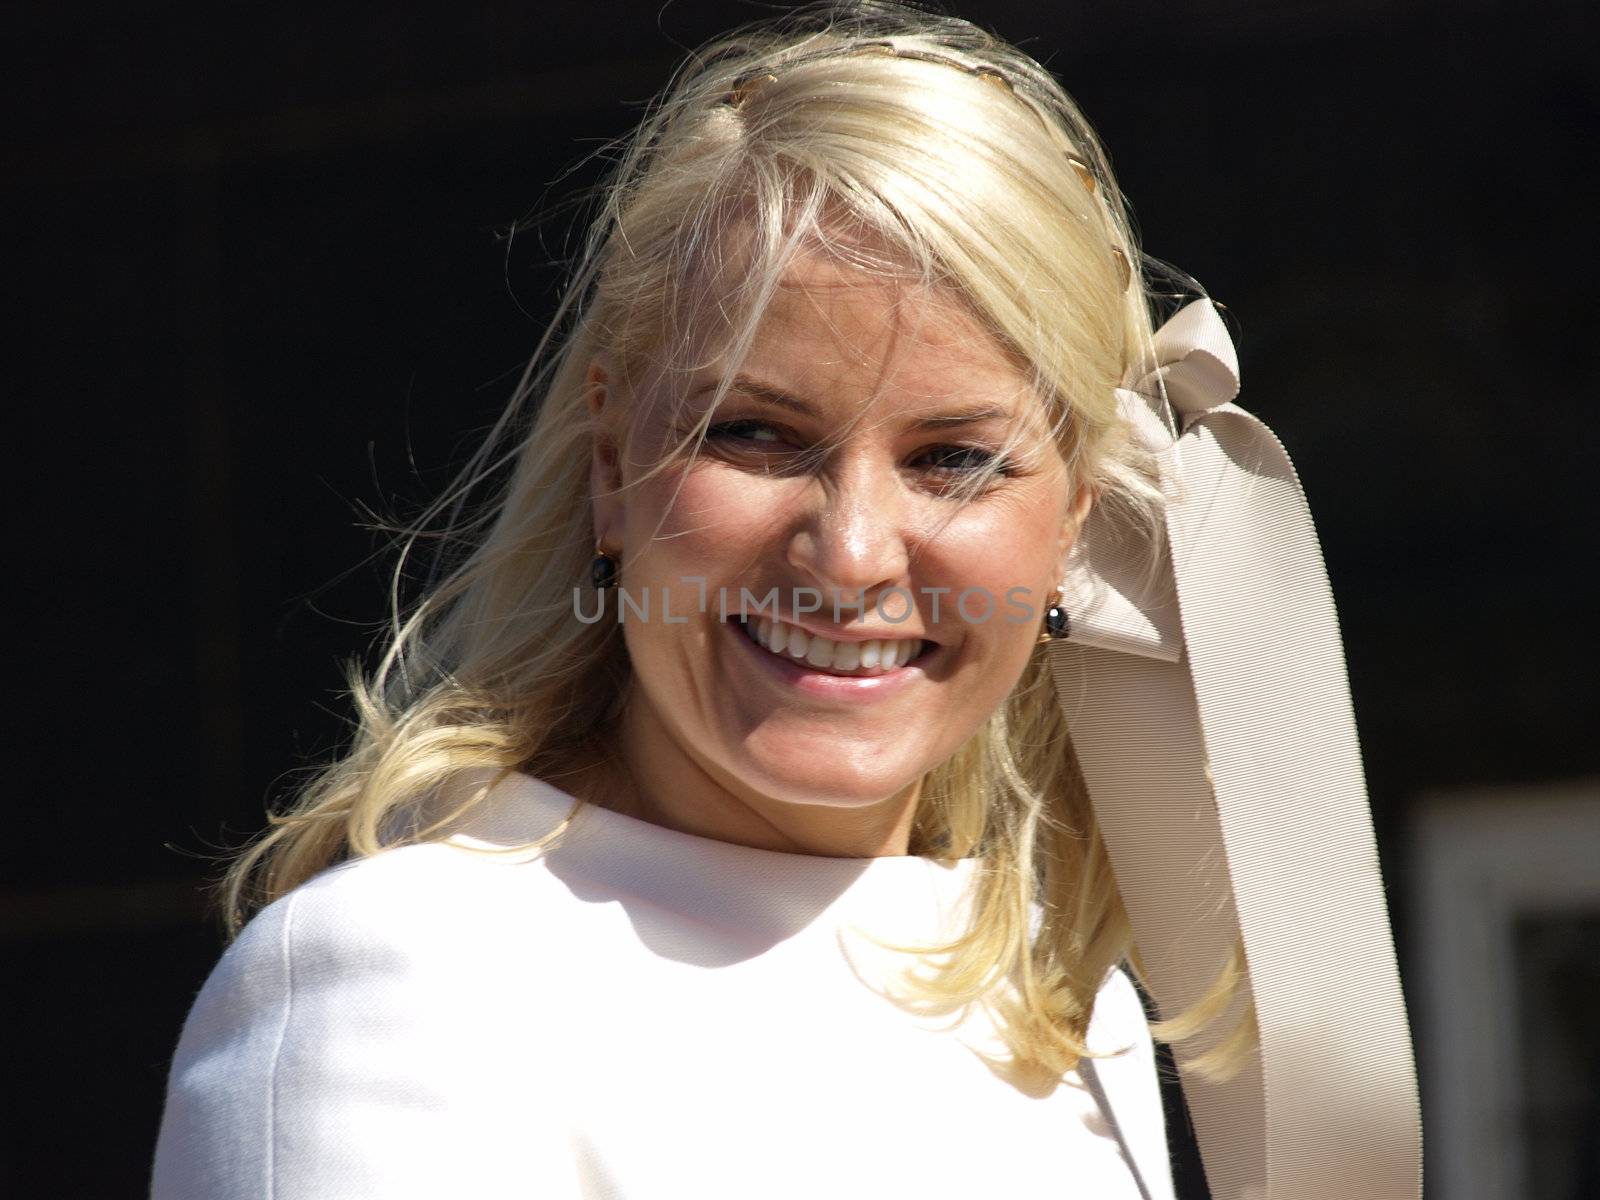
767	394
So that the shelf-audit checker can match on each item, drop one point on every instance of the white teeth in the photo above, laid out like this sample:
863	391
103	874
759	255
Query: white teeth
820	653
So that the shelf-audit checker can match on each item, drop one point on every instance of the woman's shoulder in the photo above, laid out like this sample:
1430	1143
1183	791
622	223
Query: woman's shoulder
414	906
357	1020
364	920
411	921
403	899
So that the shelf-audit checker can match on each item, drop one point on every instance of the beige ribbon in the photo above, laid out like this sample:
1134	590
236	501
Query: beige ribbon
1211	715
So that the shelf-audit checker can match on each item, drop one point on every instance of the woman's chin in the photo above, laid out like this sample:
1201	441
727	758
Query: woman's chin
822	778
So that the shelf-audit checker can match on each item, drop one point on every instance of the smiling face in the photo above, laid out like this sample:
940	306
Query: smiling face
823	476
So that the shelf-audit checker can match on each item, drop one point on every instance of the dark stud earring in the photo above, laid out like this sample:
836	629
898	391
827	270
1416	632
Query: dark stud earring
1056	623
603	570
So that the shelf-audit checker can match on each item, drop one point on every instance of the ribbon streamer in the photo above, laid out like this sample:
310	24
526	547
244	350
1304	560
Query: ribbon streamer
1211	716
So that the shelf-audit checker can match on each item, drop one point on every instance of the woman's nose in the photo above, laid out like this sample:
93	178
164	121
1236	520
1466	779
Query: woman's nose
854	536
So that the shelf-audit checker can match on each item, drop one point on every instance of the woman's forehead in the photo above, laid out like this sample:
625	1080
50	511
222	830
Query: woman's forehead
815	290
833	323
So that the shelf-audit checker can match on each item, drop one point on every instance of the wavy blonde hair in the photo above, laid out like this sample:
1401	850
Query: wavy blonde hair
961	161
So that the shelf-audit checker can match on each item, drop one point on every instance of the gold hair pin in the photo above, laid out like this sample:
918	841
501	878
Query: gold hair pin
1085	174
1124	271
746	86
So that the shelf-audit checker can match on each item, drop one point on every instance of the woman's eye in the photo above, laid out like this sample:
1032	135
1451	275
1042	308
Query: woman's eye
744	431
761	436
963	458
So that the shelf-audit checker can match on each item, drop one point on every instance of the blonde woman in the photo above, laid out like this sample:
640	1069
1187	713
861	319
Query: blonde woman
738	816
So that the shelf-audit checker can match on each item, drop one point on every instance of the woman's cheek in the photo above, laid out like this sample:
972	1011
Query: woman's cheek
718	511
993	558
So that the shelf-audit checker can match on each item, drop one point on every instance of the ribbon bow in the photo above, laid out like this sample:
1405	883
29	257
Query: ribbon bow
1204	681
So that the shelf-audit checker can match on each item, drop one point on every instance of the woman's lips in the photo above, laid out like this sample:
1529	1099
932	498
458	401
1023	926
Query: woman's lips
800	676
835	656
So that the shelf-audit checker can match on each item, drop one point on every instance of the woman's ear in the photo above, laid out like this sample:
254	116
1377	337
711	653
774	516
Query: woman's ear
1083	500
605	465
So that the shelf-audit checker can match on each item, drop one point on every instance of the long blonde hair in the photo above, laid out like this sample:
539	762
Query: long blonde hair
966	159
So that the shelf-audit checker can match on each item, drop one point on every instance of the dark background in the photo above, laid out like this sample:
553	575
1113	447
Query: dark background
255	285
